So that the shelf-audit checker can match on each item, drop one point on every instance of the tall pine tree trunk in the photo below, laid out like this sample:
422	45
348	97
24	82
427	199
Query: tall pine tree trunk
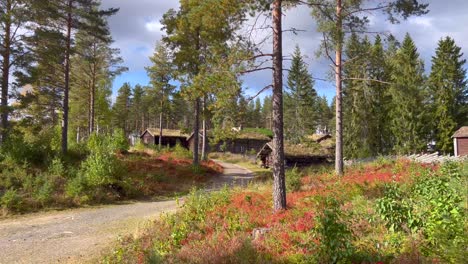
279	185
6	72
196	129
339	94
92	102
196	122
160	126
204	155
67	79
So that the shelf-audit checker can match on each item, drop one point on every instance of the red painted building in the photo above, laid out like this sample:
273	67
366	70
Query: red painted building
460	141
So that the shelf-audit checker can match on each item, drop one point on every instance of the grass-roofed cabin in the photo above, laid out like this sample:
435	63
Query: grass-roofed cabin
325	140
170	137
319	137
295	155
246	140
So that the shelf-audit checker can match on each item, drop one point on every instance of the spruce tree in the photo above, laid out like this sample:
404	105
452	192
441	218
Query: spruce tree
408	124
357	100
336	18
448	86
121	108
137	109
379	70
365	99
267	112
324	115
299	100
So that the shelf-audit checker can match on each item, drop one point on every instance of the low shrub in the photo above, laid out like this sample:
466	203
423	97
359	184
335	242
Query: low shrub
333	233
433	206
180	152
76	189
119	141
293	180
11	200
139	146
101	169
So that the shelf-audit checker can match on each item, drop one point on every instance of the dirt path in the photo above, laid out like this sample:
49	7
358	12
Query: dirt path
80	235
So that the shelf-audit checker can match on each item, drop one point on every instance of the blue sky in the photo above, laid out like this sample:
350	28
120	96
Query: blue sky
136	29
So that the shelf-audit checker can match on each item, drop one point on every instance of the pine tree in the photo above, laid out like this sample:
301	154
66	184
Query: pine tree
407	108
68	17
95	66
43	104
299	100
449	90
161	73
14	14
196	32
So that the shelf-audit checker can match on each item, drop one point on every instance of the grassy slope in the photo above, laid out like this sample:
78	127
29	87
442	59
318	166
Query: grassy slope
145	175
329	220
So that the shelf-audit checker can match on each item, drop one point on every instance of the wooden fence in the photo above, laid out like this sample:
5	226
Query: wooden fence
421	158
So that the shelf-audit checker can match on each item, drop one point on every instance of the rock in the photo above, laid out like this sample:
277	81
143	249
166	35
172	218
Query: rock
259	232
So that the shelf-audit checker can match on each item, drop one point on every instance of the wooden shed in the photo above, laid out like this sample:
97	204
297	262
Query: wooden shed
170	137
460	141
294	155
243	142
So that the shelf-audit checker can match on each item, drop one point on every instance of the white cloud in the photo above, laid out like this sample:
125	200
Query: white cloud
154	26
421	21
136	29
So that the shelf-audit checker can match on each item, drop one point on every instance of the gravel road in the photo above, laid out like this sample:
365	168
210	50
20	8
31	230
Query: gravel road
81	235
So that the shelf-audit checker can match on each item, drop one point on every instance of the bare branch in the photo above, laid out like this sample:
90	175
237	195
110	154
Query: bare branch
365	10
256	69
325	41
260	55
312	4
259	92
321	79
294	30
365	79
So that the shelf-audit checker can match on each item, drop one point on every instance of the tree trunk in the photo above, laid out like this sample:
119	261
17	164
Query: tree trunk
160	130
279	185
161	119
6	73
339	93
89	109
67	79
92	102
196	129
204	155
